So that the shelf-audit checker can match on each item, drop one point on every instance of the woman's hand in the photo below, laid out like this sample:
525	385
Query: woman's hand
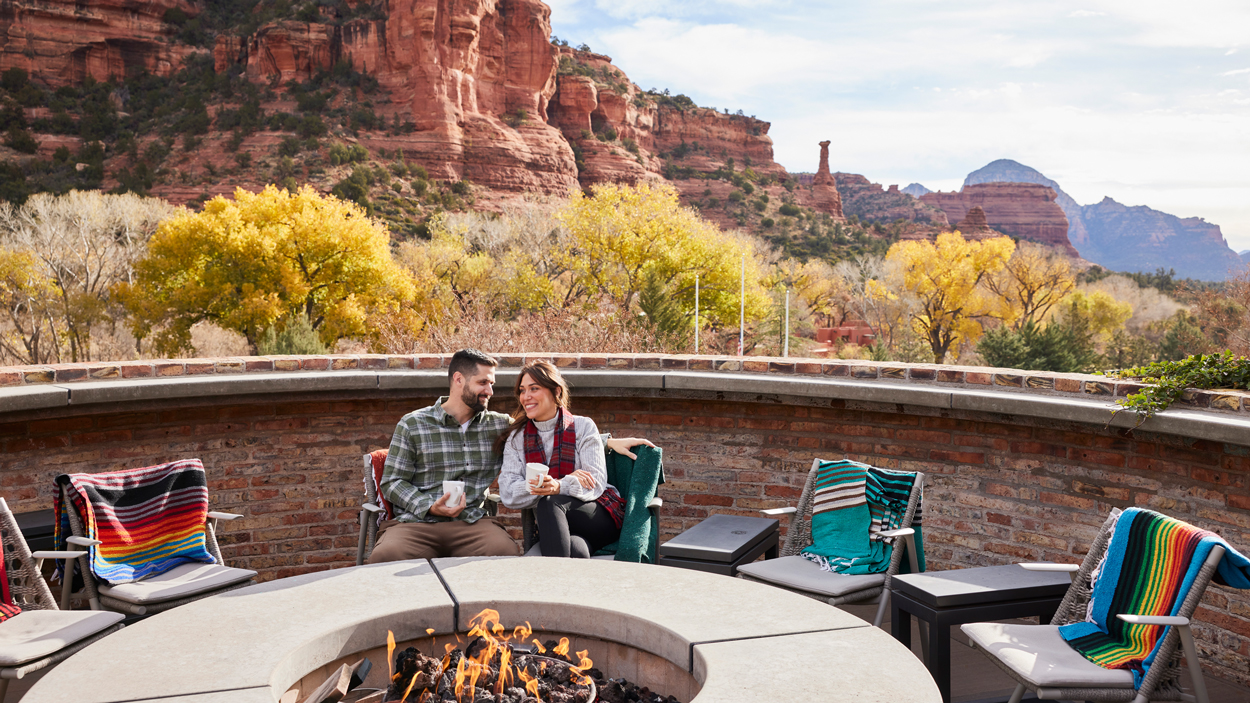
585	478
548	486
621	445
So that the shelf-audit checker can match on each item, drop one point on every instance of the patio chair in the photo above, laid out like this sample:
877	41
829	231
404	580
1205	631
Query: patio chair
41	635
795	573
154	593
375	509
1040	659
621	475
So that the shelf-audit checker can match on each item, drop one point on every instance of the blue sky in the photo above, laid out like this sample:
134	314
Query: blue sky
1146	102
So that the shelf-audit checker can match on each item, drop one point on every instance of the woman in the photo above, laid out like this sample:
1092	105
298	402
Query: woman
578	512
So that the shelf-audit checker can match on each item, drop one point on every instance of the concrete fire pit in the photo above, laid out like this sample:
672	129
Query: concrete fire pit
714	638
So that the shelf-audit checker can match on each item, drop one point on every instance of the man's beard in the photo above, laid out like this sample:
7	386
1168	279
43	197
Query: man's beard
476	403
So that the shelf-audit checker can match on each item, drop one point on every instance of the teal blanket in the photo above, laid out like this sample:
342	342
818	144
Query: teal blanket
637	481
853	502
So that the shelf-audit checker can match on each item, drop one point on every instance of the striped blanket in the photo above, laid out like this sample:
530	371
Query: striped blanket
852	503
1151	562
148	520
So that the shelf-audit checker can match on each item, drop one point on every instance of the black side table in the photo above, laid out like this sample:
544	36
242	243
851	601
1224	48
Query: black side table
945	598
721	543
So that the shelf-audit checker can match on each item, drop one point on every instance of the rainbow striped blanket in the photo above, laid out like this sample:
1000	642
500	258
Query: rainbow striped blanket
1150	565
852	503
148	520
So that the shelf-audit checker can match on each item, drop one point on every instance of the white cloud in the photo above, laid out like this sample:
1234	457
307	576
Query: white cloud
1086	13
1236	72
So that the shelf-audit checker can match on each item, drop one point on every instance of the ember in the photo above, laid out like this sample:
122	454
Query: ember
498	666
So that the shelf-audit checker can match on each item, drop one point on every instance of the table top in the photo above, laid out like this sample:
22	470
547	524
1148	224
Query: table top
720	538
981	586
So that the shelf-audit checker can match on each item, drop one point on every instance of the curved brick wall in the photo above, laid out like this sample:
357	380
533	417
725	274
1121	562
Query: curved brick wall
1022	466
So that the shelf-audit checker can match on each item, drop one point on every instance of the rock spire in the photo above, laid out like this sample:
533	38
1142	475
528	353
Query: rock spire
825	196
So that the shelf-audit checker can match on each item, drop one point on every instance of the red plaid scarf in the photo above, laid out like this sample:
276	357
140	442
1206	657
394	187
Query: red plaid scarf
7	608
564	460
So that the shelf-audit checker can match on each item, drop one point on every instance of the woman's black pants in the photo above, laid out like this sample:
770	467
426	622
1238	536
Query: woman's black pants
568	527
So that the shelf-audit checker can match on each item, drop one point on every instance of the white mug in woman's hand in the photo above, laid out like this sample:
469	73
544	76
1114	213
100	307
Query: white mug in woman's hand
534	474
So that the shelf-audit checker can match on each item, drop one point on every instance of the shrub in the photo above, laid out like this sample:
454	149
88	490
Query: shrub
290	146
18	139
296	337
789	210
736	196
767	223
630	145
244	160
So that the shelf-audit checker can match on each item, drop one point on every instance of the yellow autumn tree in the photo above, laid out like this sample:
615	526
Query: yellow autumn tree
26	294
624	238
1097	312
258	261
1033	281
947	277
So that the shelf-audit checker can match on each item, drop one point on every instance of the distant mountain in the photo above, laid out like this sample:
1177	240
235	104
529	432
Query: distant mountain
1008	171
1245	256
1124	238
916	190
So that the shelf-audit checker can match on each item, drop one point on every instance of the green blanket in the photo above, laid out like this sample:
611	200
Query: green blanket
851	503
637	481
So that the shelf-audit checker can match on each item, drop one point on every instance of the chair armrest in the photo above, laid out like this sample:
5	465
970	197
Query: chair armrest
780	511
83	541
900	532
48	554
214	515
1164	620
656	503
1045	566
372	507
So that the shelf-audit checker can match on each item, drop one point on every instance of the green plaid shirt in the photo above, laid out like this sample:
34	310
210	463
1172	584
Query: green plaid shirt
428	448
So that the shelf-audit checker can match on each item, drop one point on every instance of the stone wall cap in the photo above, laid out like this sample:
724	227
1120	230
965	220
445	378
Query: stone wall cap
19	398
806	386
195	386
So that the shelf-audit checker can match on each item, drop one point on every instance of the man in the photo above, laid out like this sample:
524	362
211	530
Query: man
453	439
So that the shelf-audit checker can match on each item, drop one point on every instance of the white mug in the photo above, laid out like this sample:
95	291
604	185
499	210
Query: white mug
453	490
534	471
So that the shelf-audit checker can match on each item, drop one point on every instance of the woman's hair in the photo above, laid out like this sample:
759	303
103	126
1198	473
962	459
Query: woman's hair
545	374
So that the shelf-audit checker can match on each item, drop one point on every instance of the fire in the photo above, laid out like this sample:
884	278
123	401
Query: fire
488	662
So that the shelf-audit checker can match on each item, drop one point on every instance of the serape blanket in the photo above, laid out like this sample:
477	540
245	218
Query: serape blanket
852	503
7	607
148	520
1151	563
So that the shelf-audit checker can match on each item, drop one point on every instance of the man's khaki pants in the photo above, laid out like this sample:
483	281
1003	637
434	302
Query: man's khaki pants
454	538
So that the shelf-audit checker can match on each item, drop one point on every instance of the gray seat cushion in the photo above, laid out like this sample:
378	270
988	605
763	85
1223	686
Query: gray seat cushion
182	581
798	573
35	634
1041	658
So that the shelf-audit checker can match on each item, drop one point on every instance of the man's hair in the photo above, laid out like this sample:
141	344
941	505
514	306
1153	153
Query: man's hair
466	362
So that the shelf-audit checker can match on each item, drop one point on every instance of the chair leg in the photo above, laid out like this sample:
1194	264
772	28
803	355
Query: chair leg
1017	694
885	603
1195	667
360	544
4	688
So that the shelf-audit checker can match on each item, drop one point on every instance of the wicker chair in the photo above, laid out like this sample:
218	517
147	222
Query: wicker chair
374	509
1040	660
41	635
794	573
183	584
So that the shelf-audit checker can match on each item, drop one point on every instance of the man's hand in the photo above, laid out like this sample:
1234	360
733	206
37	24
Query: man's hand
442	509
621	445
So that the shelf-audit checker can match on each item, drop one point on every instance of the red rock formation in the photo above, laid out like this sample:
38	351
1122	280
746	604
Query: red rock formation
63	42
869	201
824	195
1025	210
289	50
975	225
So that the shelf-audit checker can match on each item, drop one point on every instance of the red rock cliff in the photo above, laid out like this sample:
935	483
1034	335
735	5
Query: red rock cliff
64	42
1026	210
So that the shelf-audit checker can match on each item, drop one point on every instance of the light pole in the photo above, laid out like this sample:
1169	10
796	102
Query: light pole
696	313
742	304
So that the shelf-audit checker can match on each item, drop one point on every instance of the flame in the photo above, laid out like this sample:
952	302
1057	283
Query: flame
531	683
390	655
563	648
460	679
579	671
541	648
429	630
408	690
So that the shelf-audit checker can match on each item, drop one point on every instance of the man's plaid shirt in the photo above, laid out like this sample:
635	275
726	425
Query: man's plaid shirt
428	448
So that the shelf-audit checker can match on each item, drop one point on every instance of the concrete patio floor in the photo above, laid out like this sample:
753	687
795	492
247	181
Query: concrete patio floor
973	678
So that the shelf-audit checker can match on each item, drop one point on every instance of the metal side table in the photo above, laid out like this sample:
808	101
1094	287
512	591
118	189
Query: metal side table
945	598
721	543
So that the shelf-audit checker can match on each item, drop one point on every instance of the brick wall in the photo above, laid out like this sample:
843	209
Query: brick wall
1001	488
